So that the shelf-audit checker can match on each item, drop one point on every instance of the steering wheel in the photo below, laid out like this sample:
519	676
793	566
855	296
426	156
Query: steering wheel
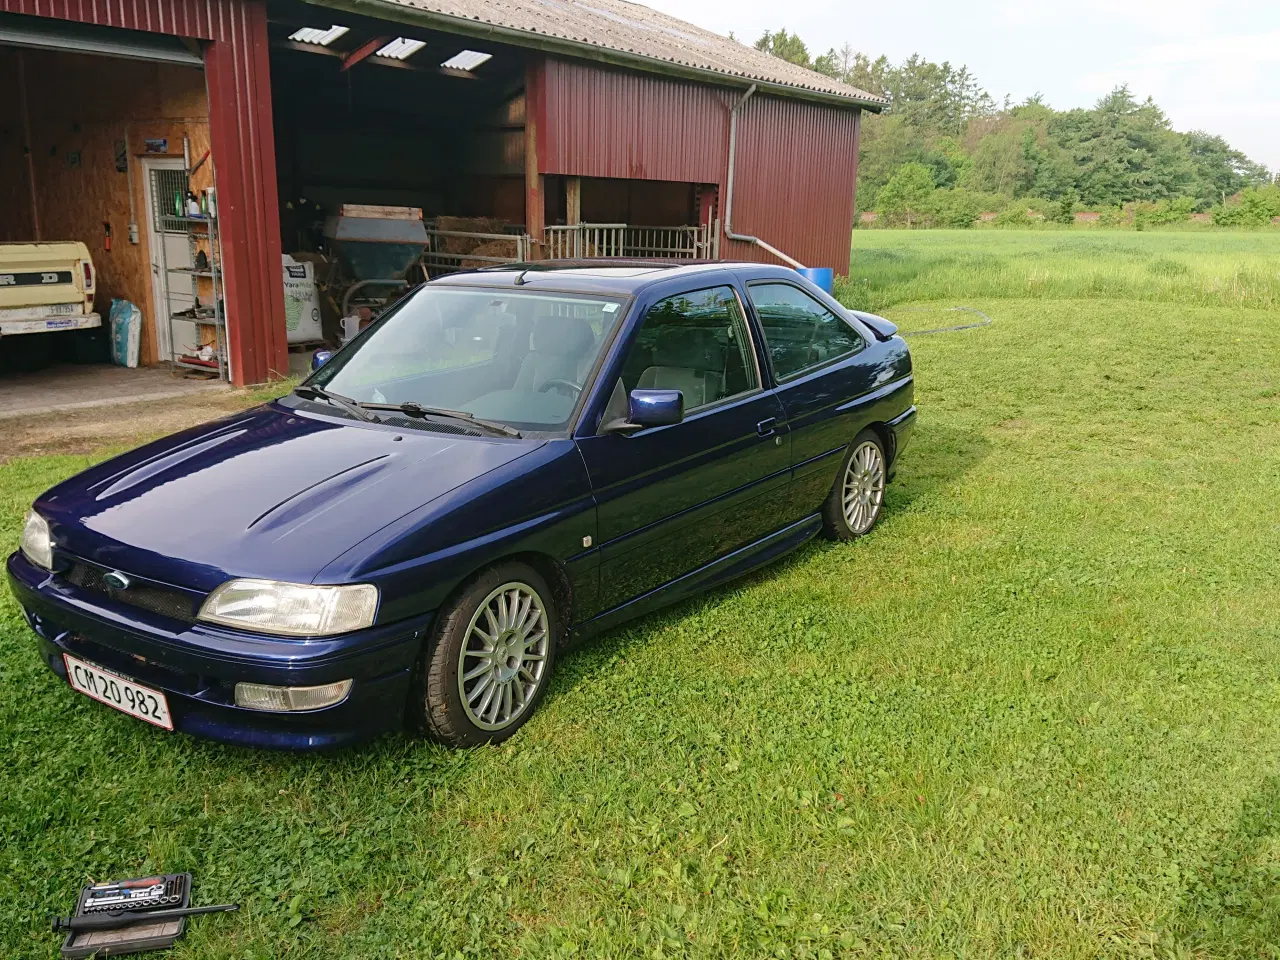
557	383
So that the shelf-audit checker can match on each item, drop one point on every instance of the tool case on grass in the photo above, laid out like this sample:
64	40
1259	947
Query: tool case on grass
174	892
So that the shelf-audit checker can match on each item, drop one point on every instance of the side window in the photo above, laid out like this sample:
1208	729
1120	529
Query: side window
696	343
800	331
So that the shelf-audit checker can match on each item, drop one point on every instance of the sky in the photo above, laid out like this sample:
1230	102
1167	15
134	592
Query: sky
1212	66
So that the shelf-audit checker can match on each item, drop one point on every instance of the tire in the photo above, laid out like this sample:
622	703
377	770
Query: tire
486	705
857	499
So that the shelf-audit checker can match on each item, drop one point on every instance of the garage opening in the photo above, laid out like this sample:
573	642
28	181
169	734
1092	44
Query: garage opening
402	156
399	158
105	185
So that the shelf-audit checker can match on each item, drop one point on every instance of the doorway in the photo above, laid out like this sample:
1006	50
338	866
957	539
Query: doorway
166	179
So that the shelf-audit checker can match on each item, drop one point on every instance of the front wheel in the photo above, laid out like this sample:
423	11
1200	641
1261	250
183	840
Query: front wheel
488	660
854	503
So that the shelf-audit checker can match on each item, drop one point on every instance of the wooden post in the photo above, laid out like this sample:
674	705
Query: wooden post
706	202
28	148
534	183
572	200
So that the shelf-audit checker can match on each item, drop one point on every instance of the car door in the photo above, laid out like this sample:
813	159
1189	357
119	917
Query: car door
821	366
672	499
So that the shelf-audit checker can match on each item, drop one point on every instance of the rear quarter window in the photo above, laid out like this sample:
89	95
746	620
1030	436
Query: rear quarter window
799	331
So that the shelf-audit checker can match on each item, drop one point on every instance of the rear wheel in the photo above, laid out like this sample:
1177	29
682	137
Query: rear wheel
489	659
853	506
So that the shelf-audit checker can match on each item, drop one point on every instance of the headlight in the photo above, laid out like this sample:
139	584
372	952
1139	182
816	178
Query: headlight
36	545
293	609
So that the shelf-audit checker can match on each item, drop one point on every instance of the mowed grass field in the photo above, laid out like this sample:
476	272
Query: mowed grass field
1035	714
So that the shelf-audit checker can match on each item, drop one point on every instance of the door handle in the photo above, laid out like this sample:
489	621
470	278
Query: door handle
765	427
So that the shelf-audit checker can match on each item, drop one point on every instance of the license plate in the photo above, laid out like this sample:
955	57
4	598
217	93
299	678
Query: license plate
115	691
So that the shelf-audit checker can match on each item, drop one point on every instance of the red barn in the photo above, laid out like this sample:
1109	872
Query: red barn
563	127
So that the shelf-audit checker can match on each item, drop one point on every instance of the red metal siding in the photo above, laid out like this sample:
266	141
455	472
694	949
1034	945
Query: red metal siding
796	168
243	152
237	71
796	161
203	19
613	123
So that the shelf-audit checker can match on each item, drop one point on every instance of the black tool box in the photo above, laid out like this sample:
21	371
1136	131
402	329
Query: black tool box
163	892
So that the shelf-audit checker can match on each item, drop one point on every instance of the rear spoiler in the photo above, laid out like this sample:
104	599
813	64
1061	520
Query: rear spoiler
882	328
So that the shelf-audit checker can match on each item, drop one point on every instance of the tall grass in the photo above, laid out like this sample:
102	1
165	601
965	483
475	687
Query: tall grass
1197	269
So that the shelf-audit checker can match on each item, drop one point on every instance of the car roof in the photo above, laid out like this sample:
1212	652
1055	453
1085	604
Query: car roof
610	276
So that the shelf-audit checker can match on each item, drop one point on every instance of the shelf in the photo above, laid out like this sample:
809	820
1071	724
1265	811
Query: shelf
192	271
211	366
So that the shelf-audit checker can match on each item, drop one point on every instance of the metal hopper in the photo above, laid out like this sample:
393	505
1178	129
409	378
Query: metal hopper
374	242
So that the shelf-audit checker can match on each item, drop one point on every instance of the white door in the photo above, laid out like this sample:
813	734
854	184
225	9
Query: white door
170	253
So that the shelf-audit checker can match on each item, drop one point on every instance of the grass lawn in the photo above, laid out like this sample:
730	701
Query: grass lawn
1036	713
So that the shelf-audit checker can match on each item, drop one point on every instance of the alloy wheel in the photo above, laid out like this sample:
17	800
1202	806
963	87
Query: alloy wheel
863	490
504	656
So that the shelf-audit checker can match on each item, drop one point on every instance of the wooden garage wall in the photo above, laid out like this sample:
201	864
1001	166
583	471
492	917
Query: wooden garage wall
81	107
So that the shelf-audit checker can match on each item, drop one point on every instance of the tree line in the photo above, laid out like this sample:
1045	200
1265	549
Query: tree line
945	151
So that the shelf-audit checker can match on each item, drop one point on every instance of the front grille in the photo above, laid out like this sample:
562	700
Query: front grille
165	601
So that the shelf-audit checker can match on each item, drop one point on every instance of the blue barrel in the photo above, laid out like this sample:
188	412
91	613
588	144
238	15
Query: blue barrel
823	277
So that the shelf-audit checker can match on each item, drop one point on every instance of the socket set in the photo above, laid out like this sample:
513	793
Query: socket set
146	893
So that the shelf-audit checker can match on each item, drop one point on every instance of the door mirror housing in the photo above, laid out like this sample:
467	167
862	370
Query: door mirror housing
649	408
320	358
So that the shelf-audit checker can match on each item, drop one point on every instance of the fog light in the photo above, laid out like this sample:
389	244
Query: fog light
261	696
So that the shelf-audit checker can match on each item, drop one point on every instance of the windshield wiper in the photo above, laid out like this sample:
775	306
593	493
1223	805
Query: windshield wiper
355	409
411	408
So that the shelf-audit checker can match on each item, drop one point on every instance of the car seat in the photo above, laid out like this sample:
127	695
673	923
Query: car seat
557	347
687	359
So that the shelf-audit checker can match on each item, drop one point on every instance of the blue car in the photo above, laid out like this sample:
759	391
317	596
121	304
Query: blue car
505	462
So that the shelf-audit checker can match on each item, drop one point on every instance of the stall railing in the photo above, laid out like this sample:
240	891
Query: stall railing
578	240
438	260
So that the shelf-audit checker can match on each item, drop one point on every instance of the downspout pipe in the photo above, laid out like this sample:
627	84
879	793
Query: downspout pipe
728	203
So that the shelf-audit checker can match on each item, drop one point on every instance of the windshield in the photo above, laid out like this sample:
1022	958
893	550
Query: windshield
513	357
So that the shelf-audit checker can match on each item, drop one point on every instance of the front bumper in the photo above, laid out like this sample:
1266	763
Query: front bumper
198	666
13	322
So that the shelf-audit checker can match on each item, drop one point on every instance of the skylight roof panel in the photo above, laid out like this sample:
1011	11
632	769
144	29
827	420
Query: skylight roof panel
467	60
319	36
401	48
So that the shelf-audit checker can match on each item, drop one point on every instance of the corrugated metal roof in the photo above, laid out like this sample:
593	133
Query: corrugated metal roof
629	34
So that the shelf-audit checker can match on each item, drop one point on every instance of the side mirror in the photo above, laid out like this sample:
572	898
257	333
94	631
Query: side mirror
656	408
320	358
649	408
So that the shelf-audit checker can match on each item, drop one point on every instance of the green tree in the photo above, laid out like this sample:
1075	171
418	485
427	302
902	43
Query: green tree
866	74
1220	172
907	197
1124	151
1255	207
936	95
1000	163
787	46
956	208
829	64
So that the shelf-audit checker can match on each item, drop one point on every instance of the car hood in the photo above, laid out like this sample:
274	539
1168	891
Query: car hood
271	493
